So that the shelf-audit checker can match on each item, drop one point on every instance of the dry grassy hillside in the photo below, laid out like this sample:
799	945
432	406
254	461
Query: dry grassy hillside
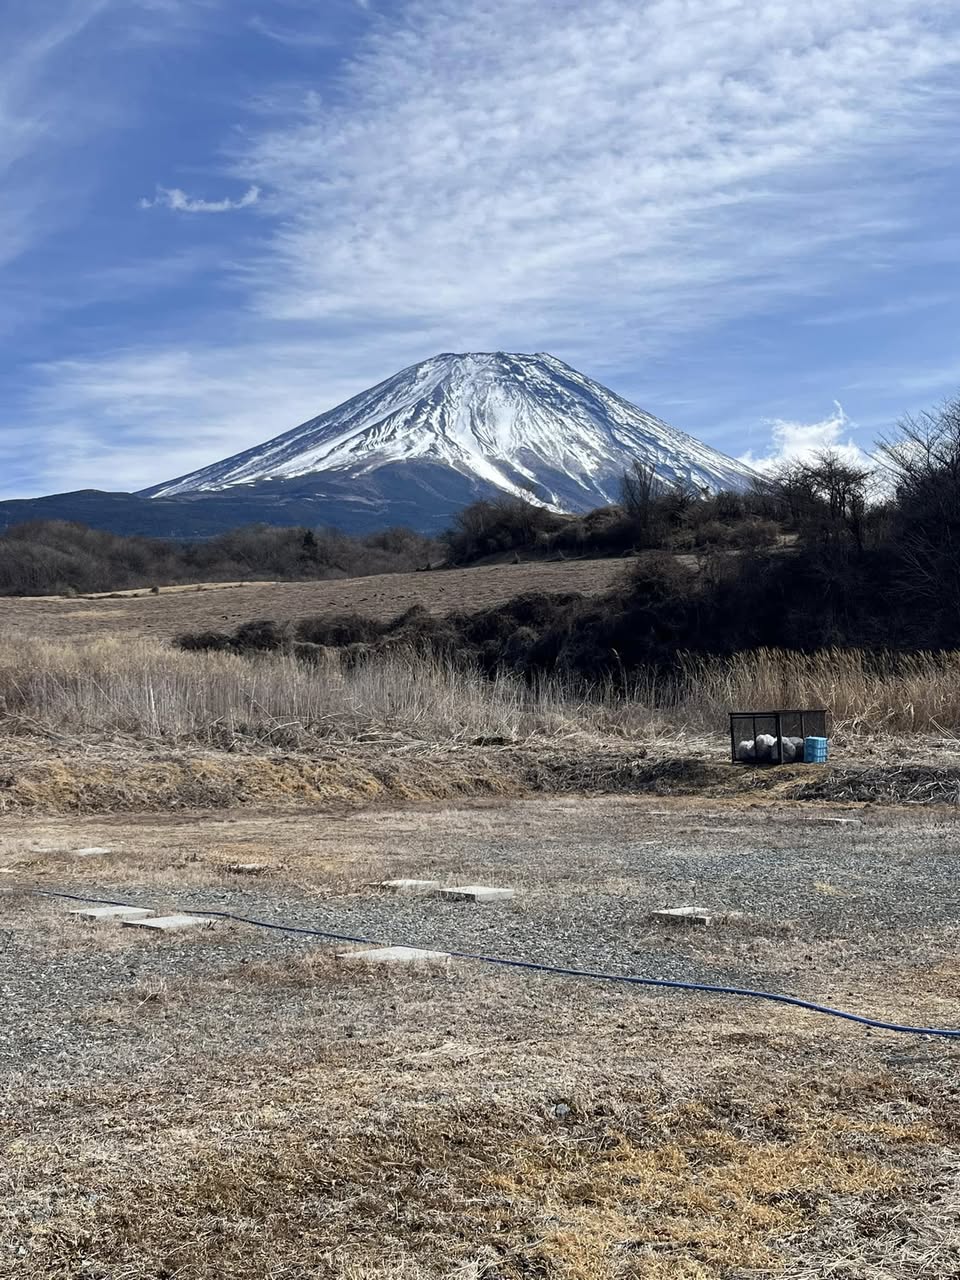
222	607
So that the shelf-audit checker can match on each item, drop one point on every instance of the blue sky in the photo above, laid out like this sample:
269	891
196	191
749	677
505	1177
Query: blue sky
221	217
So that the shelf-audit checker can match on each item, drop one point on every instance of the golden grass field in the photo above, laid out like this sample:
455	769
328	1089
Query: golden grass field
221	607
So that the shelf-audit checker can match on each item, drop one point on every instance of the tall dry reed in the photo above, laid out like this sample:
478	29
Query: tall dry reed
150	691
147	690
864	692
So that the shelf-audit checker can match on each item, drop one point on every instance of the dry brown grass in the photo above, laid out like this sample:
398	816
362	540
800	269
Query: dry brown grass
394	1157
110	725
149	691
223	607
865	693
153	692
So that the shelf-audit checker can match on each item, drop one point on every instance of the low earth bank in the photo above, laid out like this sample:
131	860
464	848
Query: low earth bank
120	777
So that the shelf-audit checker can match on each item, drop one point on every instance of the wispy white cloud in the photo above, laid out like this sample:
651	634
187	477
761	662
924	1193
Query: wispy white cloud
55	96
541	174
805	441
292	38
120	422
177	200
35	112
303	25
509	165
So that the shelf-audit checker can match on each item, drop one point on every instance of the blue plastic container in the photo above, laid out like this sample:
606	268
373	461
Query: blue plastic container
815	750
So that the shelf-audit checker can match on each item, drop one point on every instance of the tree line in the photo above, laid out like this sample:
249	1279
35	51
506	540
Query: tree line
56	557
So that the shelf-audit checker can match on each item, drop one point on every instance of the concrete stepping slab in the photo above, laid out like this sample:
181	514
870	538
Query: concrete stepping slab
111	913
476	893
683	915
92	852
171	924
837	822
393	956
410	886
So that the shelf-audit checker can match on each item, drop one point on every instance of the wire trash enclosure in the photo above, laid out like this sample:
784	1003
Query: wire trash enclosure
777	737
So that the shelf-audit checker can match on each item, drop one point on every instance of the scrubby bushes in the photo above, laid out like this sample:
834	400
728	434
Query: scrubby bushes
649	516
805	562
845	581
502	524
59	558
659	608
487	639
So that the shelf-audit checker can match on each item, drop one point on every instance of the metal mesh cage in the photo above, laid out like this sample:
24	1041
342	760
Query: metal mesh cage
773	737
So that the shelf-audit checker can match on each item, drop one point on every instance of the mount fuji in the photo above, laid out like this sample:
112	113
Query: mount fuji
457	427
414	450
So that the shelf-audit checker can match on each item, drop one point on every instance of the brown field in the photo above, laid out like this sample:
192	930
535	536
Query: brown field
223	607
237	1104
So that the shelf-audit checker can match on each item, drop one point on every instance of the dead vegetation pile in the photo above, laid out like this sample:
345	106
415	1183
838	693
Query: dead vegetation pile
888	784
125	780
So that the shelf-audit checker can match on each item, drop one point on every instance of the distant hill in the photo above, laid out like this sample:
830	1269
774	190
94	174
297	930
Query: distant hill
426	501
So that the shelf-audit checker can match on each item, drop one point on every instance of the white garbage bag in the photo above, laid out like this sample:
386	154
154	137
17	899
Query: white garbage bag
766	747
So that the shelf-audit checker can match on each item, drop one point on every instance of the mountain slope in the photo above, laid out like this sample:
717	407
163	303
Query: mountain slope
466	425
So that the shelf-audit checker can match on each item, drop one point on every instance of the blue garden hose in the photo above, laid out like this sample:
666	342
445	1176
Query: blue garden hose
536	967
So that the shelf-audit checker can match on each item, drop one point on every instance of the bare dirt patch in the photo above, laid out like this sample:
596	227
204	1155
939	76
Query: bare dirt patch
223	607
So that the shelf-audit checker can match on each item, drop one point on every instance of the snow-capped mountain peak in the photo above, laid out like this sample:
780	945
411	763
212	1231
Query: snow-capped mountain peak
527	425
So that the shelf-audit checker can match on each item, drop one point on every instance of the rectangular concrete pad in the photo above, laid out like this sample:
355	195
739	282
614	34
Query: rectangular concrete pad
683	915
410	886
111	913
393	955
837	822
93	851
170	924
476	893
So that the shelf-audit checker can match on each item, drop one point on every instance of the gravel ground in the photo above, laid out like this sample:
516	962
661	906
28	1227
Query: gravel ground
235	1104
858	913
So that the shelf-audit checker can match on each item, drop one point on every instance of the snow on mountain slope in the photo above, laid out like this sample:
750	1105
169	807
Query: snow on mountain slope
527	425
